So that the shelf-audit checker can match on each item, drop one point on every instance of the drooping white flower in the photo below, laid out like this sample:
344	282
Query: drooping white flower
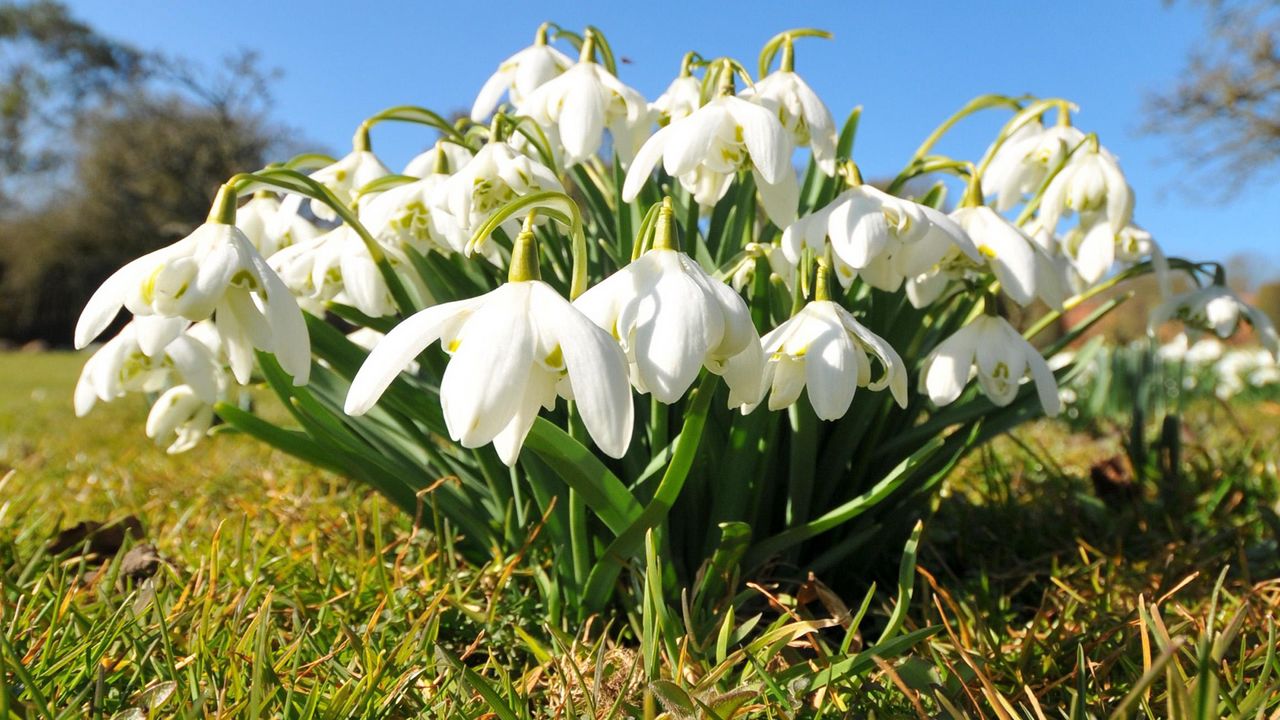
1219	309
1134	245
346	176
990	348
122	366
877	235
441	159
519	75
780	265
1025	272
412	215
824	349
215	271
708	146
681	98
513	349
497	175
1022	162
1093	247
1175	350
801	112
1204	351
271	224
182	415
337	266
1091	181
672	319
583	102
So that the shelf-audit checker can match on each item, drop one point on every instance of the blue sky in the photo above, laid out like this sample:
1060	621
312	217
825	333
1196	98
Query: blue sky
909	65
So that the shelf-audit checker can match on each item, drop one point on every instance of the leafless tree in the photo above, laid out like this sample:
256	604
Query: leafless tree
1225	106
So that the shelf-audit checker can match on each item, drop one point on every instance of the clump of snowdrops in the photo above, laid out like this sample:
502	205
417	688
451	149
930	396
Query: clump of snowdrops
631	327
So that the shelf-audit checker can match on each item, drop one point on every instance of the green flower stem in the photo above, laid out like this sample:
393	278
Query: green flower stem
924	166
782	42
1138	270
409	114
982	102
788	63
557	206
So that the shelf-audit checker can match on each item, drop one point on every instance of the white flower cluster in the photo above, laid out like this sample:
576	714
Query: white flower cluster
241	281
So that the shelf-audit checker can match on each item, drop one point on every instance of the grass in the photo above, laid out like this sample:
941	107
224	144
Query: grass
288	592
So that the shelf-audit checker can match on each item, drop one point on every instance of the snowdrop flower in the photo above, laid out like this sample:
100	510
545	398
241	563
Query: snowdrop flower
681	98
1134	245
1020	165
214	271
513	350
346	176
780	266
1204	351
1215	307
672	319
1175	350
497	175
1268	374
823	348
411	215
1091	250
122	366
708	146
182	414
801	112
271	224
1234	368
1022	268
337	267
876	235
582	103
442	159
990	348
519	75
1091	181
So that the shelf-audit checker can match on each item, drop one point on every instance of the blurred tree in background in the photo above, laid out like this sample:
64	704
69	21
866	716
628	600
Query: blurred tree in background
1225	107
107	152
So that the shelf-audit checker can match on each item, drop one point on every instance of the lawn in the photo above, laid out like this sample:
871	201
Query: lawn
283	591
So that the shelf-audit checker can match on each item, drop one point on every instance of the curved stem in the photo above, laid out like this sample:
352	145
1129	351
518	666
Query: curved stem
295	182
557	206
929	165
982	102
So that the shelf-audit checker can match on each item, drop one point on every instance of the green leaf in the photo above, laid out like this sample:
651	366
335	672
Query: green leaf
673	698
847	511
581	470
480	685
292	442
906	585
627	543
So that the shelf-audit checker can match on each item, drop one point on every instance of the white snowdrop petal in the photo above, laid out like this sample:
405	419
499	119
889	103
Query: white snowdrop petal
400	347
